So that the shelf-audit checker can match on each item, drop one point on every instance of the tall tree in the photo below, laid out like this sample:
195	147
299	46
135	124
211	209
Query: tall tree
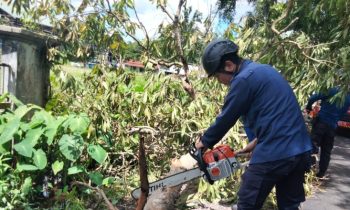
307	40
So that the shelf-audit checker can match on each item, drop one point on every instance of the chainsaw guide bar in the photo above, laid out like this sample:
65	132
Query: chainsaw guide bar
213	165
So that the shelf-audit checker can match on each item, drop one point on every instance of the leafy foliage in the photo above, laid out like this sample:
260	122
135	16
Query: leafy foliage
115	104
41	145
118	103
296	39
94	132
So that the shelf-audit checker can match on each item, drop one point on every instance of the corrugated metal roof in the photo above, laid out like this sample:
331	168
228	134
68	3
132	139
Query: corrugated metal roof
137	64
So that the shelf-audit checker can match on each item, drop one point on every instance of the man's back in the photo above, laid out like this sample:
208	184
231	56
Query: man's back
274	115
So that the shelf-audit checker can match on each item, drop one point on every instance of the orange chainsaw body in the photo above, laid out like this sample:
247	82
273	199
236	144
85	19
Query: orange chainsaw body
220	162
218	153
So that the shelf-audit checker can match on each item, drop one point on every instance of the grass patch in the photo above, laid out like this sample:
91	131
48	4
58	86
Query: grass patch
75	71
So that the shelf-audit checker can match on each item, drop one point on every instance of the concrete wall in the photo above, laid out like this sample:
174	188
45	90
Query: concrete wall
25	53
32	74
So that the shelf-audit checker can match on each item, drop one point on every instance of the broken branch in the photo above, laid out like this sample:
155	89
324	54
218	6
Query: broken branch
284	15
100	191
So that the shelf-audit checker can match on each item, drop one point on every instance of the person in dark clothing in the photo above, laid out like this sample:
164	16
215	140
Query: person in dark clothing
266	101
324	126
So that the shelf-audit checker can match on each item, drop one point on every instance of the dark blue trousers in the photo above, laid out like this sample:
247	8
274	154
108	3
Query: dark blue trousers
287	175
322	136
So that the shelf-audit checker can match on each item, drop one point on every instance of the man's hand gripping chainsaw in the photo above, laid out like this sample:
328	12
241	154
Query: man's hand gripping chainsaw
213	165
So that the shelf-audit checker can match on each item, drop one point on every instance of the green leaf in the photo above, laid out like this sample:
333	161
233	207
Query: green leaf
43	115
145	98
24	148
97	153
24	109
35	123
78	124
24	127
71	146
52	129
26	186
2	126
50	134
147	113
40	159
75	170
26	167
3	97
107	181
9	130
57	166
2	149
33	135
345	32
17	102
96	178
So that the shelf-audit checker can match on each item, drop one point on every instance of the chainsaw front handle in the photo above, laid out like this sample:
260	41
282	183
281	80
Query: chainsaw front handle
197	154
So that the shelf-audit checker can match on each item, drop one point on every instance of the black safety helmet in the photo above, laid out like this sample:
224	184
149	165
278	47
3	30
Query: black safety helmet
213	53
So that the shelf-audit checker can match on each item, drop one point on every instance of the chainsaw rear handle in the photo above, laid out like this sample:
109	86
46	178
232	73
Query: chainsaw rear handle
197	154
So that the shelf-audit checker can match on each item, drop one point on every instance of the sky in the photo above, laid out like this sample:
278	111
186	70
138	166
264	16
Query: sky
151	17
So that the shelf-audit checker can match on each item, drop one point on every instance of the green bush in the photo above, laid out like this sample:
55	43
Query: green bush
41	151
118	102
88	132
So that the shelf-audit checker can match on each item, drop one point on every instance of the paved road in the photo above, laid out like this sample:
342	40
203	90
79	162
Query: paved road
334	194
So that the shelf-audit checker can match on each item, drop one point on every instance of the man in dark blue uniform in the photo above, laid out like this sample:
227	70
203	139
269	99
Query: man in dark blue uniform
267	102
325	124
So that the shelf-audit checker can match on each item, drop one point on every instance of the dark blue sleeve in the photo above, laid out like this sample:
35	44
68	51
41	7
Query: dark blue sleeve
313	98
320	96
236	103
250	134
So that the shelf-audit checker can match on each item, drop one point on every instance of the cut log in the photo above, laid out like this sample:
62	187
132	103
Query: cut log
203	205
165	199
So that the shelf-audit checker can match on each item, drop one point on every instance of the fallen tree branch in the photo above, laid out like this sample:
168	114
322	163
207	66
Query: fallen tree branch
100	191
321	44
176	24
185	80
143	28
177	32
307	56
166	12
164	62
289	25
126	30
284	15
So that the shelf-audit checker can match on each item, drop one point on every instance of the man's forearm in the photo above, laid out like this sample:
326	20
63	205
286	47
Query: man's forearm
250	147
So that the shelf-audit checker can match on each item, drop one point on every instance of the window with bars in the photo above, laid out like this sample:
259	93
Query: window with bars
4	77
5	71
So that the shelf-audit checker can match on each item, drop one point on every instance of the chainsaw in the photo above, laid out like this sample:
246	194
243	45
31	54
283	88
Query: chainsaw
213	165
